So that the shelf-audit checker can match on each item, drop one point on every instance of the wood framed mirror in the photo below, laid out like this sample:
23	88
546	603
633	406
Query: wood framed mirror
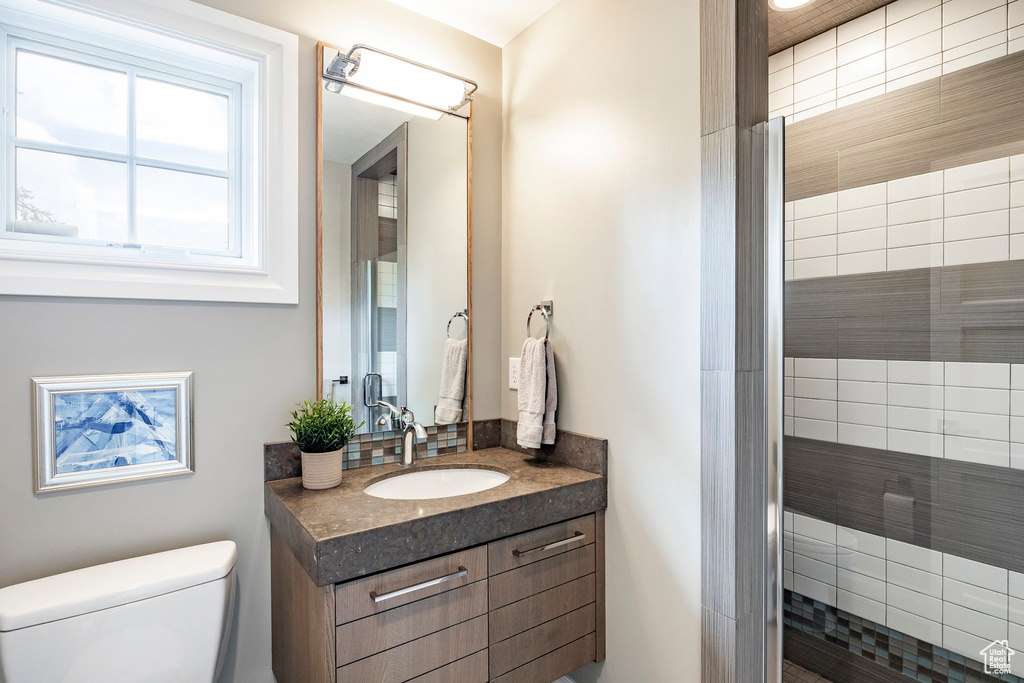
393	257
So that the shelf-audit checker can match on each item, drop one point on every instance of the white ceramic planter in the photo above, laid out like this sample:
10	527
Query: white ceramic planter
322	470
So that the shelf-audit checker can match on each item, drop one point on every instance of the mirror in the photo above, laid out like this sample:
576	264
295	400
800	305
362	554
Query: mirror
393	229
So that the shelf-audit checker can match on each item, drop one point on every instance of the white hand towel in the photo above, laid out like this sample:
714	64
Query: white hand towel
532	393
453	382
551	400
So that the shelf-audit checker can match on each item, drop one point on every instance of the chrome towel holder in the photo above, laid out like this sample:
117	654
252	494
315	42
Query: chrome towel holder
546	309
458	314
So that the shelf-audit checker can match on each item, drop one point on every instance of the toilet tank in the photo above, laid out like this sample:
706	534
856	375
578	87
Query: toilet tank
161	618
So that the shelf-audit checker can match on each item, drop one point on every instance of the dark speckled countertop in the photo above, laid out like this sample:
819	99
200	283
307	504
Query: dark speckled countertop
343	533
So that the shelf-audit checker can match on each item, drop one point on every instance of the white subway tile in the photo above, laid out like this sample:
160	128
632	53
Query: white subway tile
913	602
859	48
1017	430
913	79
913	625
916	372
1017	161
815	227
1016	638
814	247
871	195
978	200
975	573
870	23
974	27
862	219
780	60
1015	610
918	443
868	414
788	403
976	425
982	375
814	66
870	544
958	10
806	111
981	451
1015	13
915	419
914	395
975	598
815	528
919	70
1017	194
815	90
819	571
862	392
815	388
903	9
864	240
907	258
1016	396
911	234
911	578
915	210
815	409
814	46
862	435
870	89
815	550
815	206
973	55
861	606
788	428
912	555
1016	247
1016	585
783	78
815	590
977	400
977	225
815	429
781	98
976	623
858	70
788	366
1017	456
862	564
816	368
972	176
790	230
914	26
861	370
984	250
812	268
862	262
1015	44
963	643
787	581
915	50
915	187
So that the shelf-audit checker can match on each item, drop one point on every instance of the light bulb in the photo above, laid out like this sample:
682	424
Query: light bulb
783	5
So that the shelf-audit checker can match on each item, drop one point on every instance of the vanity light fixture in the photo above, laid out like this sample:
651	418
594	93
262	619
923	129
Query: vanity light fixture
784	5
380	77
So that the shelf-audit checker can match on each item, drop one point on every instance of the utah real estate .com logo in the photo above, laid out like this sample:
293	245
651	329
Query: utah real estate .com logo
997	657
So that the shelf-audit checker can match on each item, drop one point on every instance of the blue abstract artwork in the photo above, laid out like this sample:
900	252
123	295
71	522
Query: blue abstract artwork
103	430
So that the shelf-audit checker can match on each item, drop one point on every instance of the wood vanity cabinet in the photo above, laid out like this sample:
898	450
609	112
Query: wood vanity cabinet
527	608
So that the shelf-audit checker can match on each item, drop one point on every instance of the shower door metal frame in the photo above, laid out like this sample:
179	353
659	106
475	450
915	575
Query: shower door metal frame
774	294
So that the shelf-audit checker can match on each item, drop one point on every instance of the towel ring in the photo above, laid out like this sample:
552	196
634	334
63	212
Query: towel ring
547	320
459	314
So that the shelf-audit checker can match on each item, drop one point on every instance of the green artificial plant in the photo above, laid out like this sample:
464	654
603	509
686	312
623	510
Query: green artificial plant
323	426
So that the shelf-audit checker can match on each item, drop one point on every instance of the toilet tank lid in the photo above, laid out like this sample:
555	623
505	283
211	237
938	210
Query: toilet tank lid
109	585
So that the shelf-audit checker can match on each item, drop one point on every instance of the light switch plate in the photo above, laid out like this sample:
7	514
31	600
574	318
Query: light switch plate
513	373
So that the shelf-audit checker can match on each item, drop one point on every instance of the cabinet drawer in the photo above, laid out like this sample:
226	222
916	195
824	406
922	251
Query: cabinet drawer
541	640
471	669
535	610
370	635
554	665
518	551
420	656
374	594
539	576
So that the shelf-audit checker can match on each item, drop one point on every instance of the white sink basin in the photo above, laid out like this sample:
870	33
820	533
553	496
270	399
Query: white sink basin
436	483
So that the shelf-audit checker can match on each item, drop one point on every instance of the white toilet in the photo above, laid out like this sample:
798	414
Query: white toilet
162	618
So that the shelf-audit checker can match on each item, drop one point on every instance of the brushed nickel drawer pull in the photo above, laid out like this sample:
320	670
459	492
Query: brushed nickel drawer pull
419	586
578	536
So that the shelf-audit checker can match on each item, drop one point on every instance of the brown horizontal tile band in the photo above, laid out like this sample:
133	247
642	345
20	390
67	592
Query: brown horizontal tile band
968	116
970	313
974	511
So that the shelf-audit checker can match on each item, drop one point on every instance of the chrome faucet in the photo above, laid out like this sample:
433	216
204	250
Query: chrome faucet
411	431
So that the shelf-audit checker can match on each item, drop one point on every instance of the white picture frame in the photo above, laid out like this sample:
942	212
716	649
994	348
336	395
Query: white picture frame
92	430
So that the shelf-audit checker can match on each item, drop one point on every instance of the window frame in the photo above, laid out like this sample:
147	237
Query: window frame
186	44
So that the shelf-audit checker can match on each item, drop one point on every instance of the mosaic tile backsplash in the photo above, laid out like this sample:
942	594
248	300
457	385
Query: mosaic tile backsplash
914	658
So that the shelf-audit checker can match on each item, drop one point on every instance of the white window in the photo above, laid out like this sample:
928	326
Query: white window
149	152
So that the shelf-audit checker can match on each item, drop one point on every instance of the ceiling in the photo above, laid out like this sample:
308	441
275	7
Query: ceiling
496	21
786	29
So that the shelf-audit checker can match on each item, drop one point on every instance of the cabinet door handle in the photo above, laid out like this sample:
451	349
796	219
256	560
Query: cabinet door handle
419	586
578	536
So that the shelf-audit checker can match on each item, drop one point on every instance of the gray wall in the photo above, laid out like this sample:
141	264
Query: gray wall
602	214
251	363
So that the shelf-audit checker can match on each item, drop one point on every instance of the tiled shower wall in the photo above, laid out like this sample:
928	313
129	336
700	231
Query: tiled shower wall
901	44
943	599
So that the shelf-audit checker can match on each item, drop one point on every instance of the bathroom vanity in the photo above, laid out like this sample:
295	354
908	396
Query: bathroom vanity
503	585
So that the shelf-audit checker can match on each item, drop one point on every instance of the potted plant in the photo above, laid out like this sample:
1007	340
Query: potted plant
321	430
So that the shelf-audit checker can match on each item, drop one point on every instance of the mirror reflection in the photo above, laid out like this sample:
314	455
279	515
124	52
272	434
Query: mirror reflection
394	264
